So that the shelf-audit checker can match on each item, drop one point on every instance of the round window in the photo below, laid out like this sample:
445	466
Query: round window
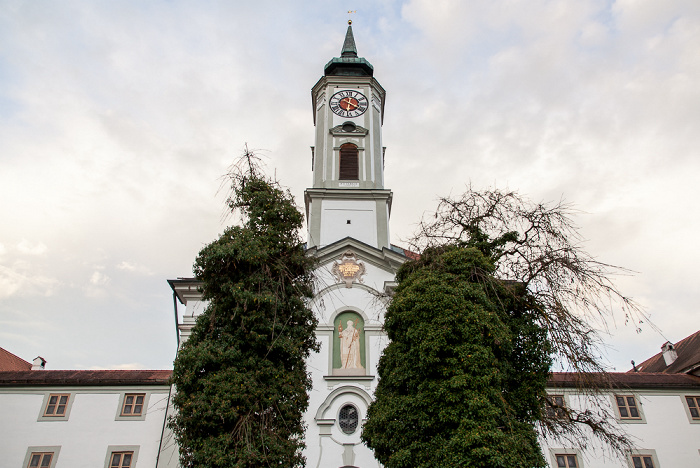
348	419
349	127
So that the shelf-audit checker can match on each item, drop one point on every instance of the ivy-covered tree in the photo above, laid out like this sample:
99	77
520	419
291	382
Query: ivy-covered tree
463	375
501	291
241	380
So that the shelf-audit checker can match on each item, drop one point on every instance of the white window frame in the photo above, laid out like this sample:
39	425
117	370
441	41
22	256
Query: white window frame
122	448
643	453
55	449
638	402
44	404
553	452
144	411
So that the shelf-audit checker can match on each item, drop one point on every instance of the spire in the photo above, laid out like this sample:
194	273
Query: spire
349	49
349	64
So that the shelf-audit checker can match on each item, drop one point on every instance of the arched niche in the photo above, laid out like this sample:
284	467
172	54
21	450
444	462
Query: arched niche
349	351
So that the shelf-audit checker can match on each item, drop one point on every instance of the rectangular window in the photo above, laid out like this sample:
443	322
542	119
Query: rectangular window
56	405
693	406
627	407
565	460
555	406
133	404
642	461
40	459
349	168
121	459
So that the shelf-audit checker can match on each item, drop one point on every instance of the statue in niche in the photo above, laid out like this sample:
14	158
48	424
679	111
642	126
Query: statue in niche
349	346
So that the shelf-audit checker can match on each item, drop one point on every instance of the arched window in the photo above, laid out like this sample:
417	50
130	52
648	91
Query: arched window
349	162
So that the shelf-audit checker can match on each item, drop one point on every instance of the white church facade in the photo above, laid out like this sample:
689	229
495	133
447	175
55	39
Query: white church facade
348	212
117	419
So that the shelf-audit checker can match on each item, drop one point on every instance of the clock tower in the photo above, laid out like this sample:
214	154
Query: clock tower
348	198
348	211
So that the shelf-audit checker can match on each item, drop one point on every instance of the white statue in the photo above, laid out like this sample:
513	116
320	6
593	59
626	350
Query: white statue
349	347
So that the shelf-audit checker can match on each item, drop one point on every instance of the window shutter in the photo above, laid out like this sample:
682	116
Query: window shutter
349	162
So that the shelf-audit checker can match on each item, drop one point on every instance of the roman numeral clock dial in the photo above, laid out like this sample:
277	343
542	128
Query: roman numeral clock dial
348	103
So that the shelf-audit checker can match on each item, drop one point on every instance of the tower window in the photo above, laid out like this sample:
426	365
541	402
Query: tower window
349	162
348	419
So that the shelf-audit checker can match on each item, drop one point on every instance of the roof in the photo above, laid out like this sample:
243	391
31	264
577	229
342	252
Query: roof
10	362
84	377
688	350
637	380
405	252
349	64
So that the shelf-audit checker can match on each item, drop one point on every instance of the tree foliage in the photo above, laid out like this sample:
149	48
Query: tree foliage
502	287
463	375
241	377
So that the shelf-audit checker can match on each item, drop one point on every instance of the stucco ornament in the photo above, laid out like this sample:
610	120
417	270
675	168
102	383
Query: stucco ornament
349	269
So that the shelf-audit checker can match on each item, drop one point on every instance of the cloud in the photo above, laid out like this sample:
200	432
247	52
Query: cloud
114	132
99	279
19	280
29	248
97	285
134	267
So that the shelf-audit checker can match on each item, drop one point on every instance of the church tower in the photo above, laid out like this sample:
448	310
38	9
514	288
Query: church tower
348	196
348	222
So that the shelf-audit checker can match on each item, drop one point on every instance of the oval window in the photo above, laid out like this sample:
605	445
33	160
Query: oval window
348	419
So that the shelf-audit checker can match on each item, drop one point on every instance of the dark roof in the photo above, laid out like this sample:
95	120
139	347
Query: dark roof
688	350
84	377
349	64
632	380
10	362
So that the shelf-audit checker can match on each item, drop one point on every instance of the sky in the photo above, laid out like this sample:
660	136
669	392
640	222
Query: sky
117	120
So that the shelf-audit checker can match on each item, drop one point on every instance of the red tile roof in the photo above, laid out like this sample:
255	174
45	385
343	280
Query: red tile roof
10	362
625	380
410	255
84	377
688	350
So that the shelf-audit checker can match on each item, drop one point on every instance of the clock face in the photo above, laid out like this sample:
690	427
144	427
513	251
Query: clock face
348	103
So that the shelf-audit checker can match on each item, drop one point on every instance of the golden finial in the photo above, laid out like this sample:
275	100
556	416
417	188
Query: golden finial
350	12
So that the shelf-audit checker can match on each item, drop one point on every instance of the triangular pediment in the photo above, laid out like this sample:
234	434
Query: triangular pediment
385	259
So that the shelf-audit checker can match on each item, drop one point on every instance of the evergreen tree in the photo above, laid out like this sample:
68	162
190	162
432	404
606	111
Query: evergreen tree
462	377
241	380
502	288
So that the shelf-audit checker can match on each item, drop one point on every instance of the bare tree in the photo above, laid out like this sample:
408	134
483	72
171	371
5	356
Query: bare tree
539	246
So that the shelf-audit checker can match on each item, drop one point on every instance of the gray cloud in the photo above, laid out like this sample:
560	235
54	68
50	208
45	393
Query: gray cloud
119	118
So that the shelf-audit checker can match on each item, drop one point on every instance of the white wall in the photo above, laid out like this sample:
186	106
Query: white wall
363	221
90	428
665	429
326	444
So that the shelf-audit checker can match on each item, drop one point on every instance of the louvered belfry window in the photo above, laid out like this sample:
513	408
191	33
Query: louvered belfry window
349	162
